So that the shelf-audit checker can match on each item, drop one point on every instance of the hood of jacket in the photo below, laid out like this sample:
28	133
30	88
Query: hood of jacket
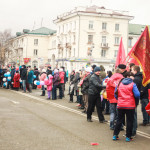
127	81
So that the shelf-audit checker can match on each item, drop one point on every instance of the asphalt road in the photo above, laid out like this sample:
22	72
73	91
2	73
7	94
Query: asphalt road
30	122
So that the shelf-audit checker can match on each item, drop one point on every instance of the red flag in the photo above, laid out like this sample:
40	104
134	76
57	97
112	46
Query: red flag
141	53
121	55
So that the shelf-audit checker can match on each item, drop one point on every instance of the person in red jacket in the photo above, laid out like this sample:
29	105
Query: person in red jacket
127	94
110	88
16	80
61	83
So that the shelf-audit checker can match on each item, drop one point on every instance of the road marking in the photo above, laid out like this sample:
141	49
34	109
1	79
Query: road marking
15	102
73	110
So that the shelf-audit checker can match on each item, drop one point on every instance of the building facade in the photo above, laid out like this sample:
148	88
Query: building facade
90	35
30	48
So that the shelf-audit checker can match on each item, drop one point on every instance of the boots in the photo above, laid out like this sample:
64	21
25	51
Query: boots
43	93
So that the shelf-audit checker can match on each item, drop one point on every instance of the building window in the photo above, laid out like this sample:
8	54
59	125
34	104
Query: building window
35	41
90	39
74	25
90	24
130	42
116	40
104	26
104	39
115	53
35	52
116	27
103	53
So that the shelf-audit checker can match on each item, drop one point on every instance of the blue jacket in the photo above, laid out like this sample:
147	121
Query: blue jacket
30	77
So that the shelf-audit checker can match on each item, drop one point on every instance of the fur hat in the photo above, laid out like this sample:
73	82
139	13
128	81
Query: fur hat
122	66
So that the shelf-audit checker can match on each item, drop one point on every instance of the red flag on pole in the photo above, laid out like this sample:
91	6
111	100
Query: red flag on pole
121	55
141	53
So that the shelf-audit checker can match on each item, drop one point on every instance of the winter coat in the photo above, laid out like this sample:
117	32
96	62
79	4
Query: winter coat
124	73
23	74
49	83
30	77
76	80
144	92
138	81
127	92
16	80
85	84
55	79
110	87
12	73
61	75
94	85
43	76
67	74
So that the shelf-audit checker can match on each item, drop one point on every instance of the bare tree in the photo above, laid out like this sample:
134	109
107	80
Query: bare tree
4	48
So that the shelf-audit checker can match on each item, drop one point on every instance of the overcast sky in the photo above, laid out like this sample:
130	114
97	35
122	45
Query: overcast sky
21	14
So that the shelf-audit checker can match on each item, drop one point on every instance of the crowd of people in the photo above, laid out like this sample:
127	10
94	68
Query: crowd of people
116	94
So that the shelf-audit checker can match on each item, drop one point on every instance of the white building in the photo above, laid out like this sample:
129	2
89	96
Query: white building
90	35
30	48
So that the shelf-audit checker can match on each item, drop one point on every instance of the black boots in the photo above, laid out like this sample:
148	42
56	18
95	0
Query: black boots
43	93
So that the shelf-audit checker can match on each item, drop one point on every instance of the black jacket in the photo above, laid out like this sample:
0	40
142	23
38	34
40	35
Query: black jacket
24	74
12	73
144	92
85	85
124	73
138	81
94	85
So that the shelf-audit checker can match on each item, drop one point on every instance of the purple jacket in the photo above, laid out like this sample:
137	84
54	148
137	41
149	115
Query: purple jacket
55	79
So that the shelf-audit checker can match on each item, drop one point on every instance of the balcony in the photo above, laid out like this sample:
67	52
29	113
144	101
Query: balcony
104	45
68	45
60	46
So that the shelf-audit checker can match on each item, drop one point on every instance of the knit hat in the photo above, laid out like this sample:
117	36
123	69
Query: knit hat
96	69
122	66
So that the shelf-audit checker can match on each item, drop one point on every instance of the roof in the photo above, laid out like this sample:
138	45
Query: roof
136	29
42	31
